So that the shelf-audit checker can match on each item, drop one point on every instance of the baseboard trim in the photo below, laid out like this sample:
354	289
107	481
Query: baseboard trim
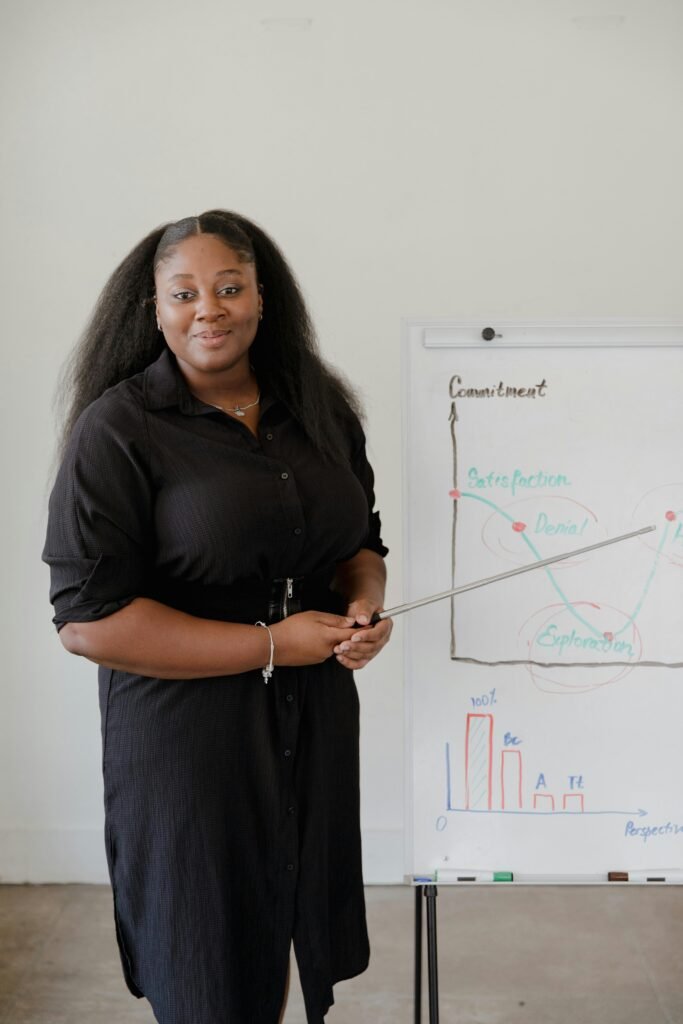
48	856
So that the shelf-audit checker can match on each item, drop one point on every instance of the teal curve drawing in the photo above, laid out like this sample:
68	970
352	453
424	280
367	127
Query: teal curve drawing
551	576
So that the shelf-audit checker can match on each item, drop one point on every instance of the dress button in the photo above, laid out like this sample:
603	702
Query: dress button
288	753
297	531
290	867
289	698
269	437
284	476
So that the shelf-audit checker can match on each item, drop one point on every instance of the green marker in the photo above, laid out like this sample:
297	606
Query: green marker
447	875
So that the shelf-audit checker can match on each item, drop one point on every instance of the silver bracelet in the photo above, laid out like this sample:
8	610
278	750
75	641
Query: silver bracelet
268	670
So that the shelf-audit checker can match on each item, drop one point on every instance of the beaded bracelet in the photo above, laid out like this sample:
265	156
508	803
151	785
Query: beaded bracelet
268	670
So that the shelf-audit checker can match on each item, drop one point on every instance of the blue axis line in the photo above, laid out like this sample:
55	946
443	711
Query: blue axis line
570	607
640	813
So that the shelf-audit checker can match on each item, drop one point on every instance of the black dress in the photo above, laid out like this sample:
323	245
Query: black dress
231	805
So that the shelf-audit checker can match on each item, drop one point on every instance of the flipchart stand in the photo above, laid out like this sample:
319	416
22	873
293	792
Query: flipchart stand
426	893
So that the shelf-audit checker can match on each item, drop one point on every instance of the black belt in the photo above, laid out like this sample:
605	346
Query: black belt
285	598
251	600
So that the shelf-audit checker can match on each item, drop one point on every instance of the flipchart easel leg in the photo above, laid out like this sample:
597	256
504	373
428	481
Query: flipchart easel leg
418	954
432	967
430	894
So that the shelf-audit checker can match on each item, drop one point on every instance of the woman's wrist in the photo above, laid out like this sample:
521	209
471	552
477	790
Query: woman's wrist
267	670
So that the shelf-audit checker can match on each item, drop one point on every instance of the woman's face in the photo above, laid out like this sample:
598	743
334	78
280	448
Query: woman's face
208	304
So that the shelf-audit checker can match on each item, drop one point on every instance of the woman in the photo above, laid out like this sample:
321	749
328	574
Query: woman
213	545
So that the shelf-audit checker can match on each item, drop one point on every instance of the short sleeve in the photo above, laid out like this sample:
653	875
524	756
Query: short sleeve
100	511
363	470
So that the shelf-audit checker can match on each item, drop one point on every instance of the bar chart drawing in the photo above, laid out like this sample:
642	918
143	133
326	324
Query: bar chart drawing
476	780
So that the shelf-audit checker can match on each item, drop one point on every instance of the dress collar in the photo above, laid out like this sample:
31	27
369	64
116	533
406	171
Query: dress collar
164	387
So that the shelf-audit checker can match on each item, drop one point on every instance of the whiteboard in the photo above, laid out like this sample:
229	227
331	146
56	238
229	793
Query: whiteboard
544	714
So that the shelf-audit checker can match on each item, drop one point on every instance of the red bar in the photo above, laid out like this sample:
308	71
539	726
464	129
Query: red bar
538	801
488	755
513	759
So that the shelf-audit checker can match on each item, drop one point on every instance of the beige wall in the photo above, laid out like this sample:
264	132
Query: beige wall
518	158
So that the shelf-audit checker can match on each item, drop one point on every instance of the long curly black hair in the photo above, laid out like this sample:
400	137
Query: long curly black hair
121	338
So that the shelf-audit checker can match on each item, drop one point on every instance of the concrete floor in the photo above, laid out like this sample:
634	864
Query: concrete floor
519	956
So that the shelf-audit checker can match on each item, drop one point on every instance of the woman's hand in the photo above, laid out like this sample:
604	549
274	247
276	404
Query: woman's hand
308	638
364	644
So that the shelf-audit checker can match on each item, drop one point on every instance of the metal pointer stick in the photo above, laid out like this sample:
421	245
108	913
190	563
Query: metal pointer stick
401	608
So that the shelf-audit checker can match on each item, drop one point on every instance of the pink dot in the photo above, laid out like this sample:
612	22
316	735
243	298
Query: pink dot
454	494
609	636
670	516
519	527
